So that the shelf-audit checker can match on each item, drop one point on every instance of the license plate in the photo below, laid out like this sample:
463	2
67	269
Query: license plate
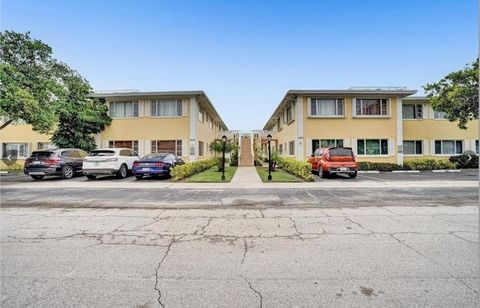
145	169
97	163
36	162
343	169
37	173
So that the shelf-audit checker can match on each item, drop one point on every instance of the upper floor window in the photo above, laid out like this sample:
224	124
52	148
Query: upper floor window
438	114
289	114
279	124
448	147
371	107
201	115
123	109
372	147
166	108
326	107
412	111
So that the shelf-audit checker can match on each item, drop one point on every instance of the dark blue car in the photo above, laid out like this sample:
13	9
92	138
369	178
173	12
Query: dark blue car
155	164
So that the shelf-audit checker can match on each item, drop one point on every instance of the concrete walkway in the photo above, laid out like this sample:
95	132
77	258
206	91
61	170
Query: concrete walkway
246	175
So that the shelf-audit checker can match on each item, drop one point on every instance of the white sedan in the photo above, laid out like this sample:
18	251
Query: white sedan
109	161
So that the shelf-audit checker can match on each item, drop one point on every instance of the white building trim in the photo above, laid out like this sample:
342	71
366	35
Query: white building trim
299	147
193	148
399	144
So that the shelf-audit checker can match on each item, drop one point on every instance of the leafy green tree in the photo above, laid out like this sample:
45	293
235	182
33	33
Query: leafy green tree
28	85
217	146
457	95
46	93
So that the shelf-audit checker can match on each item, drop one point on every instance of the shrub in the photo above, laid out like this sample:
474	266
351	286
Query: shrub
465	161
182	171
298	168
428	164
366	166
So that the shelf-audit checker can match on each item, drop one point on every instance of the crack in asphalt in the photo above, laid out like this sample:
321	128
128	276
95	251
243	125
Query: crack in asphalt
245	246
254	290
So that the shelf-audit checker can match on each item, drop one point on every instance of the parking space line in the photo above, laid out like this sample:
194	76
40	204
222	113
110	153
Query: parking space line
373	178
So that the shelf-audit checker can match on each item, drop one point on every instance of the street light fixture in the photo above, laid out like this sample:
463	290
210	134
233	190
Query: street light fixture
269	139
224	140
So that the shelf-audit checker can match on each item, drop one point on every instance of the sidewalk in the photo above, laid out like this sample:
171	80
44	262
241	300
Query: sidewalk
246	175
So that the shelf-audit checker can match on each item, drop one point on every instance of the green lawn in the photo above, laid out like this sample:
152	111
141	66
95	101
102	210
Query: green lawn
277	176
212	175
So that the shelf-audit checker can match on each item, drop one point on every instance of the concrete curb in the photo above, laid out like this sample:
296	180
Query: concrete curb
405	171
447	170
368	171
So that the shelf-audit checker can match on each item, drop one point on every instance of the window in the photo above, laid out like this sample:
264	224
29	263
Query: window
326	143
200	115
448	147
280	149
166	108
476	146
45	146
19	150
411	111
438	115
167	146
412	147
372	107
201	148
279	124
326	107
291	148
289	114
130	144
372	147
123	109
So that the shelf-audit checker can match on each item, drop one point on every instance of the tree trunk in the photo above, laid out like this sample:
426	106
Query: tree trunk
5	124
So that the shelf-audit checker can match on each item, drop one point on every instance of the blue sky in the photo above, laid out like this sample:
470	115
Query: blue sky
246	54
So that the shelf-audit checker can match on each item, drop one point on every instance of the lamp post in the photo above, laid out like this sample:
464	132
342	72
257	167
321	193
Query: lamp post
224	139
269	139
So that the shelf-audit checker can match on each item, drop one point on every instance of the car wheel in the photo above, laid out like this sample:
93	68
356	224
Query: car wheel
123	172
37	177
91	176
139	176
67	172
322	173
352	175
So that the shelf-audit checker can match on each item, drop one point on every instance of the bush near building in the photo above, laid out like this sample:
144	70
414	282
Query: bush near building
182	171
421	164
298	168
368	166
465	161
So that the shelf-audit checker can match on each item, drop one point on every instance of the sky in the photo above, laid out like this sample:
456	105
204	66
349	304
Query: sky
246	54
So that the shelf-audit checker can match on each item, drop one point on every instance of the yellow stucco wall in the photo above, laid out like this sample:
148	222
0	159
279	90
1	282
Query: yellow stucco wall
206	134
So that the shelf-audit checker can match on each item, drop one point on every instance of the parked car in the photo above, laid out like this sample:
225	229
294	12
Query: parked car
63	162
156	164
337	160
109	161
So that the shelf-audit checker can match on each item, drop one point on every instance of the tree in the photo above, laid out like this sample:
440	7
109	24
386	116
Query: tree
457	95
28	85
48	94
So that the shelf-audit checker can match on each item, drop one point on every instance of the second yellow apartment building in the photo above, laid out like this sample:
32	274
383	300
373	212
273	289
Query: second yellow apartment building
181	122
379	124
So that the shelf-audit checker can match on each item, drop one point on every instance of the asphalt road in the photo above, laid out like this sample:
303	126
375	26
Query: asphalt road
396	256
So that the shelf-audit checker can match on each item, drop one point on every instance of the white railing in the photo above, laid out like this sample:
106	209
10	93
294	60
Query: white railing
379	88
116	91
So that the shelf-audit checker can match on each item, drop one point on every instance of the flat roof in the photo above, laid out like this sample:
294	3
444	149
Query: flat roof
138	94
354	91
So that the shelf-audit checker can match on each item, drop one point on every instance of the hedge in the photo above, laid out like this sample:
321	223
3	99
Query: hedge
428	164
367	166
182	171
465	161
298	168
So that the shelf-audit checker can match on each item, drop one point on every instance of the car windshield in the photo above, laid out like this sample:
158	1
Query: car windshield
102	153
154	156
341	152
42	154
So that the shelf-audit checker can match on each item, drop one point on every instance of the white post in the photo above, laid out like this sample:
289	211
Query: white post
299	119
399	137
193	129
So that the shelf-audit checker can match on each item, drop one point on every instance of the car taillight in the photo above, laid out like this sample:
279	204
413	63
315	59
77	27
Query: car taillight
53	161
136	164
159	164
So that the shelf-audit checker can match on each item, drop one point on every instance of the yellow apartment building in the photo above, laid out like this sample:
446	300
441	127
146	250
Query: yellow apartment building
379	124
181	122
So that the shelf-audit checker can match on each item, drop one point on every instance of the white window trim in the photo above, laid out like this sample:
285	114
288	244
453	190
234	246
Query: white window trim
388	115
313	116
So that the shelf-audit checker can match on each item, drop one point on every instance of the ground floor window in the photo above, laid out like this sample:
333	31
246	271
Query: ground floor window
167	146
201	148
291	148
280	149
448	147
372	147
412	147
130	144
19	150
45	145
326	143
476	146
